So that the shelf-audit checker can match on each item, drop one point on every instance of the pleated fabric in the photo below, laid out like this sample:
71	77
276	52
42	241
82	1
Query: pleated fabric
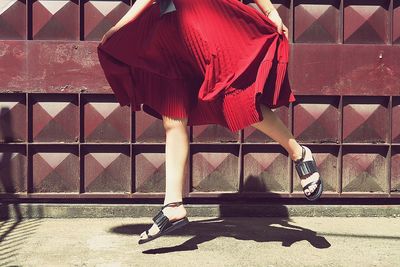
211	61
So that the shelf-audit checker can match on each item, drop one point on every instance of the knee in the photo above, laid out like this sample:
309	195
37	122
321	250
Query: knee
170	123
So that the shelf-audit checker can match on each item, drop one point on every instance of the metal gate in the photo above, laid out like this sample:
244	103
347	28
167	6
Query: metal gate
63	135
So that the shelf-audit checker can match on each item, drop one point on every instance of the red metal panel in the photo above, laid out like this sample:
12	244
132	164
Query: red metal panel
148	129
13	169
105	120
214	134
316	120
395	171
55	118
63	132
316	22
106	169
396	120
215	169
366	120
366	21
365	169
54	169
13	119
55	20
333	69
396	22
13	19
99	16
265	169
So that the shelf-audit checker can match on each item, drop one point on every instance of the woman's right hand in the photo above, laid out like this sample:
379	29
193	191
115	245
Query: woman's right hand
108	34
276	19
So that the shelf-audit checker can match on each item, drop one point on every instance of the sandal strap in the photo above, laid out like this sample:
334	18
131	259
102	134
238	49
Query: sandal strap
303	154
317	183
306	167
176	204
161	221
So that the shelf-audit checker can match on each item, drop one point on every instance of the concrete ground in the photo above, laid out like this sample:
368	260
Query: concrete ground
211	241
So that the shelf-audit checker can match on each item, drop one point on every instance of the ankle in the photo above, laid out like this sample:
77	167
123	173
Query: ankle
167	201
297	153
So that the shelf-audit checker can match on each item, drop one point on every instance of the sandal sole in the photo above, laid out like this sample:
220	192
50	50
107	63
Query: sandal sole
175	225
317	195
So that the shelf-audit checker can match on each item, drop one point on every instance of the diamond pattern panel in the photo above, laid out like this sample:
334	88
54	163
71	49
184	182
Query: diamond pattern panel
395	172
55	171
215	171
365	120
55	121
316	22
396	22
106	122
364	170
366	21
253	135
317	122
213	133
148	128
13	174
150	170
327	163
100	16
396	120
55	19
13	19
107	169
12	118
266	171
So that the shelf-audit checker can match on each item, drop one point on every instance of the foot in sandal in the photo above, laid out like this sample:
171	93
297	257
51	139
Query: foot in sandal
171	217
310	179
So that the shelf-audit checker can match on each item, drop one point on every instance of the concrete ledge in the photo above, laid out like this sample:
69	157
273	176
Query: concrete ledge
50	210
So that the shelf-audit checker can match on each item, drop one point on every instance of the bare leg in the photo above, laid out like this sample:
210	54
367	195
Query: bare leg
272	126
176	154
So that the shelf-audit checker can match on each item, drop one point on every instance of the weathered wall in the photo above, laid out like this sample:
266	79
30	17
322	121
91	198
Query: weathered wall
64	136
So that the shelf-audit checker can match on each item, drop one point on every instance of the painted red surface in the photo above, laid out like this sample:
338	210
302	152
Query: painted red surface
63	135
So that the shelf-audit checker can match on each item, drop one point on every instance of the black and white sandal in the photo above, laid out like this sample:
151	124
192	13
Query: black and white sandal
304	170
164	224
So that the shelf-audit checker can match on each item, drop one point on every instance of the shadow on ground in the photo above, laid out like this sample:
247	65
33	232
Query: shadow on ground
259	229
256	229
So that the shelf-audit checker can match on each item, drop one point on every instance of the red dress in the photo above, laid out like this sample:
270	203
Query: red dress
212	61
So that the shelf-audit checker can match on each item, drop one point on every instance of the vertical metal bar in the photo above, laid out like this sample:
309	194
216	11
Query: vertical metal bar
341	22
340	153
389	157
132	127
389	23
291	21
81	21
190	183
29	184
29	35
80	140
290	164
240	169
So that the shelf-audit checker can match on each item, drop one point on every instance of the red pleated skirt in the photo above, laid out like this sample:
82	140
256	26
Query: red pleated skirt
211	61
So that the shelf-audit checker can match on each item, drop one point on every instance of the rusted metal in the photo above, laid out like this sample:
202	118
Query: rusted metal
64	137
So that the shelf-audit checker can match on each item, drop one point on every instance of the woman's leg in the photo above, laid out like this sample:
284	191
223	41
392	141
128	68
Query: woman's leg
176	155
272	126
